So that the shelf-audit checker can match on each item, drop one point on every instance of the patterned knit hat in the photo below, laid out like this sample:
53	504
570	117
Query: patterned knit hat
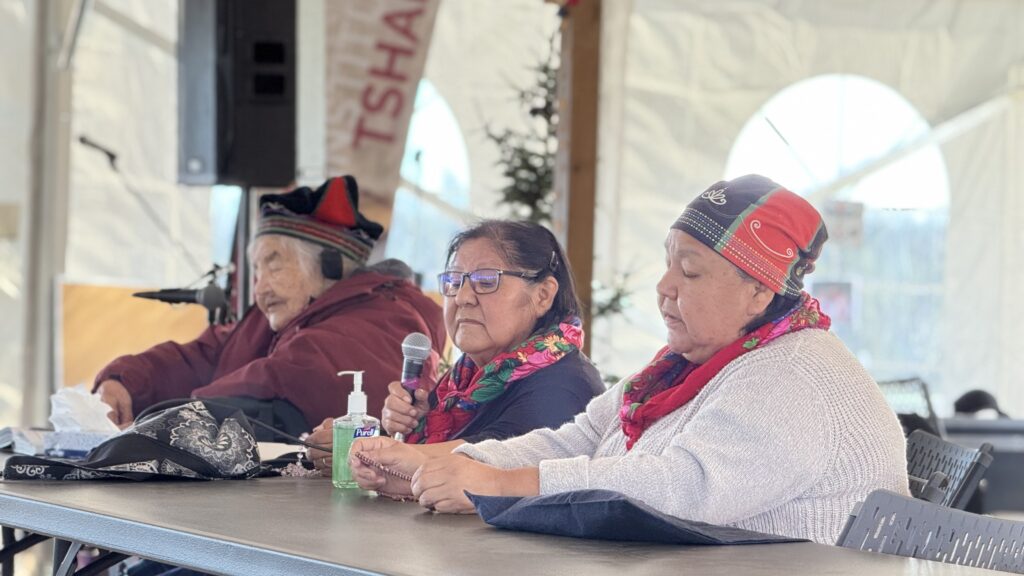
328	216
764	229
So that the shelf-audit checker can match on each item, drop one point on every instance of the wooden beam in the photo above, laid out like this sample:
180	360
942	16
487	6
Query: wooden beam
576	173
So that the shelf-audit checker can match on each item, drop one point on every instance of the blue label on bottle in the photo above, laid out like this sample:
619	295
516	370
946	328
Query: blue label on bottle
365	432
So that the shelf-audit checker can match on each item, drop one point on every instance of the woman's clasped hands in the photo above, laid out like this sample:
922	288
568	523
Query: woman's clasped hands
438	483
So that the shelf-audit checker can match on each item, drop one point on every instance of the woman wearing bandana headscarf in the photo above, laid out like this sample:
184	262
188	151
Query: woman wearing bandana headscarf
753	415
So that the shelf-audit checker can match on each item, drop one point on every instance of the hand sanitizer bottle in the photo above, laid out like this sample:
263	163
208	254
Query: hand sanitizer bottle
355	424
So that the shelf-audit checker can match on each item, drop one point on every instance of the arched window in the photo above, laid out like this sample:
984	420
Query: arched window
433	198
859	151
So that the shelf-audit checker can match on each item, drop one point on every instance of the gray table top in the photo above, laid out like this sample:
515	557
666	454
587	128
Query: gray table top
305	526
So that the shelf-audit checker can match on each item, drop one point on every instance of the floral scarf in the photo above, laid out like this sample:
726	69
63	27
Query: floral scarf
669	381
464	388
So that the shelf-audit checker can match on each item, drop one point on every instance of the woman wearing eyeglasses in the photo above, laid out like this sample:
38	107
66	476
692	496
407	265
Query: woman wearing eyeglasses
510	306
752	415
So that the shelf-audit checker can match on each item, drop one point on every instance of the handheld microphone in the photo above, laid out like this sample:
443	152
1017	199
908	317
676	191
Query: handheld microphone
415	350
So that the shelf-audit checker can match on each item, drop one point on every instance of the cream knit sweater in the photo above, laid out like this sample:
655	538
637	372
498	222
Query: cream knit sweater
784	440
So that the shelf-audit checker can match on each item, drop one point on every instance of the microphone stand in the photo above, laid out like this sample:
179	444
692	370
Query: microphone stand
219	311
218	315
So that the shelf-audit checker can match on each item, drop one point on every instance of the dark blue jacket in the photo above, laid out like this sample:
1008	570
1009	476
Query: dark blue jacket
547	398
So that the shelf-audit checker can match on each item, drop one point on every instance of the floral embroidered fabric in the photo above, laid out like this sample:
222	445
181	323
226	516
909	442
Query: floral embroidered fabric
464	388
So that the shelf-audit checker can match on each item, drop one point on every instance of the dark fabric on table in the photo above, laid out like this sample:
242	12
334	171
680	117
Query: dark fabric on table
193	441
607	515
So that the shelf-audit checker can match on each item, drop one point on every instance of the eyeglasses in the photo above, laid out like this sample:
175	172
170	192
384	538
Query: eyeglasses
482	281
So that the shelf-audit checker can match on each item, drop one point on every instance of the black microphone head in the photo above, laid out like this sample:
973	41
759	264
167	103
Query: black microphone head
172	295
416	346
212	297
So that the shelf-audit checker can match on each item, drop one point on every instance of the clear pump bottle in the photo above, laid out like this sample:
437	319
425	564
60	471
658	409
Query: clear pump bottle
355	424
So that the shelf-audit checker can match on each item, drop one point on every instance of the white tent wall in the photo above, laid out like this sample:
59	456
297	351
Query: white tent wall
17	44
695	72
983	284
479	57
125	98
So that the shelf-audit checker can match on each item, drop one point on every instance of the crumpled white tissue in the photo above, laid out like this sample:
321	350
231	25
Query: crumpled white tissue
74	409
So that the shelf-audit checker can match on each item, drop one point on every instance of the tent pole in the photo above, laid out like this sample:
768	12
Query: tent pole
45	241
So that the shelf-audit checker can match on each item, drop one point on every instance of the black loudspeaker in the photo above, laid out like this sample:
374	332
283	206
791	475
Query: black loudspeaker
331	264
236	92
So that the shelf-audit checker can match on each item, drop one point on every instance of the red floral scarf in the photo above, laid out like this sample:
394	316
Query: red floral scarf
669	381
464	388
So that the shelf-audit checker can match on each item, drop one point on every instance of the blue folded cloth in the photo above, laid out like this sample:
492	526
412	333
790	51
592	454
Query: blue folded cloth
607	515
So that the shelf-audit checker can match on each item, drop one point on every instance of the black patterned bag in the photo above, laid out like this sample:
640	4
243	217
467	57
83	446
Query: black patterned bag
194	440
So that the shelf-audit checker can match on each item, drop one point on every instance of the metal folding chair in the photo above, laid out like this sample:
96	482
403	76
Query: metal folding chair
928	454
909	396
892	524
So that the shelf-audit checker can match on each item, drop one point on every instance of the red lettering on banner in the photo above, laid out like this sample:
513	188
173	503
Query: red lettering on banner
402	22
374	101
362	130
385	93
393	53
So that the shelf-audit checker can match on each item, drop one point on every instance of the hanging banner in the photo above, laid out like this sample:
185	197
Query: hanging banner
375	52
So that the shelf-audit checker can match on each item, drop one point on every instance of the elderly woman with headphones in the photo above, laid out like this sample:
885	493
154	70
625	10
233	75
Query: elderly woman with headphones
318	310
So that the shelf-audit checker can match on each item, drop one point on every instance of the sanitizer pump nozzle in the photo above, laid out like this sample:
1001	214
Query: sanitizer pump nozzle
356	398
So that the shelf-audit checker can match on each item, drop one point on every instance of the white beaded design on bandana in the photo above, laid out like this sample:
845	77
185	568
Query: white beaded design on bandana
716	196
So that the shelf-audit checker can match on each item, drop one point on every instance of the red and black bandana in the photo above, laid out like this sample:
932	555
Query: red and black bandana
764	229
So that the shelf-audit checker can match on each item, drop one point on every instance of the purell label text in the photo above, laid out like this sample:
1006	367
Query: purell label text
365	432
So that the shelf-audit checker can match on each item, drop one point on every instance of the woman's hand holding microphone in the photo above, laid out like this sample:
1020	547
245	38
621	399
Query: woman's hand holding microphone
400	416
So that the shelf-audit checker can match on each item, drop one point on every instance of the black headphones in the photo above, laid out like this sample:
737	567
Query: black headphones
331	265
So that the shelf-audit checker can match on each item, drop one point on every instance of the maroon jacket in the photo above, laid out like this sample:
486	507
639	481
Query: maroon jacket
357	324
